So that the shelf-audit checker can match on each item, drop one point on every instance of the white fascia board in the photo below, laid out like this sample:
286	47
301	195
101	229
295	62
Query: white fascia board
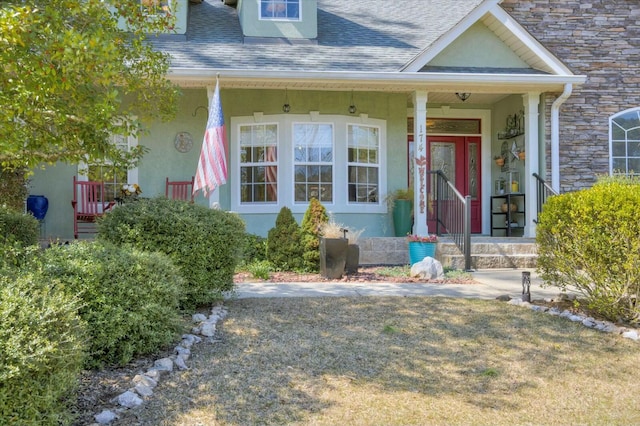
445	40
533	44
399	80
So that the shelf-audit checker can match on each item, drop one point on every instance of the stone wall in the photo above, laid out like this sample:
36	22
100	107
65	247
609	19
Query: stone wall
599	39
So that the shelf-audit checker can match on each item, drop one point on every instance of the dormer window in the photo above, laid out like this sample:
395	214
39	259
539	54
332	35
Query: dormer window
287	10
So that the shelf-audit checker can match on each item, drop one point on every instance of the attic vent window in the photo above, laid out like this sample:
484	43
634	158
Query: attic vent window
288	10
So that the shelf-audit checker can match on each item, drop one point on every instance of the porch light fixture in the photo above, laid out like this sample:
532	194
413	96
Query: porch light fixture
286	107
352	106
463	96
526	286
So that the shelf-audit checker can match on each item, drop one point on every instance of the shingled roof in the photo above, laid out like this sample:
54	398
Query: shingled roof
353	35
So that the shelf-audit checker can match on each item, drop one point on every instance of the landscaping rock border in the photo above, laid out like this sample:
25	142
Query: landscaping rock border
587	321
142	385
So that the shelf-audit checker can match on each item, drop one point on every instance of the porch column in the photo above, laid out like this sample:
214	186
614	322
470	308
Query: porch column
420	159
531	162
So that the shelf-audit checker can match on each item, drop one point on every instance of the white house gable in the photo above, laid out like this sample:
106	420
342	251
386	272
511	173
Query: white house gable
478	47
488	38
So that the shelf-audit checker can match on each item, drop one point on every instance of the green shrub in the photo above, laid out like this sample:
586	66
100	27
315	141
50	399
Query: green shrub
590	240
284	250
18	233
41	350
254	248
314	218
129	298
204	243
19	227
259	269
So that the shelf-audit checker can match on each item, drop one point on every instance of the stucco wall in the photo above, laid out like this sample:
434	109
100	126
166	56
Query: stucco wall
598	39
163	160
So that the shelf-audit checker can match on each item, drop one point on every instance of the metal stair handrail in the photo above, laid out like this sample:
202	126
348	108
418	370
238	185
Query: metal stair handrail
543	192
452	211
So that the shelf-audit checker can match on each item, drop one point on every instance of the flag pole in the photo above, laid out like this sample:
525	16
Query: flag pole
211	172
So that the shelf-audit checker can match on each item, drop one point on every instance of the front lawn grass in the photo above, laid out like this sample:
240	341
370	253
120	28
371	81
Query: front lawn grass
400	361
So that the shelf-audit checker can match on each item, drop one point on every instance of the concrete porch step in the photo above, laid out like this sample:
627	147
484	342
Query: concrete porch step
486	252
491	253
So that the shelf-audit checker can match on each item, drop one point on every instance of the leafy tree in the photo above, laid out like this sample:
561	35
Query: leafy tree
72	77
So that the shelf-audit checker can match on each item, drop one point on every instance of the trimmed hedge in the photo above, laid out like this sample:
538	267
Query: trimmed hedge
590	240
41	350
130	299
19	227
18	232
205	244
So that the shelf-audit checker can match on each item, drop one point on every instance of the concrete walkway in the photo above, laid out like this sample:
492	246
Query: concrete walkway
491	283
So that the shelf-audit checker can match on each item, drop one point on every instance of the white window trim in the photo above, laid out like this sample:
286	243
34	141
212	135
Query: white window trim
279	19
132	174
611	124
379	164
333	162
285	124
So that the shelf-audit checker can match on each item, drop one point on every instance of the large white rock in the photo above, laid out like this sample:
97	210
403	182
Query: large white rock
428	268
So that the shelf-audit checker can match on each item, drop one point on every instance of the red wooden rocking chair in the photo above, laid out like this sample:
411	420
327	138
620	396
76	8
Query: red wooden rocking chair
88	205
179	189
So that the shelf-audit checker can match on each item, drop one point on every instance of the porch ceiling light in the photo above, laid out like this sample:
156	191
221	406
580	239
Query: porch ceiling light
286	107
352	106
463	96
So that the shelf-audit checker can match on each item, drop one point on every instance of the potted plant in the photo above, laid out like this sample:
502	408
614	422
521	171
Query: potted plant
421	247
333	250
499	159
400	202
353	251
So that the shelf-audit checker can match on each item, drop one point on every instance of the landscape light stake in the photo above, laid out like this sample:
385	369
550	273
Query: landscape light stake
526	286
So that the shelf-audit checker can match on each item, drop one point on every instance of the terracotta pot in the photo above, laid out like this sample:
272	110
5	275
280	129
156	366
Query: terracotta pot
521	155
500	162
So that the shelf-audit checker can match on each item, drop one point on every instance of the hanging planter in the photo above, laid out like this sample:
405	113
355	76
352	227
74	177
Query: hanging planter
521	155
499	160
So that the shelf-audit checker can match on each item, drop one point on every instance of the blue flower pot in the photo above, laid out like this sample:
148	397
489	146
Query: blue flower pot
37	205
418	251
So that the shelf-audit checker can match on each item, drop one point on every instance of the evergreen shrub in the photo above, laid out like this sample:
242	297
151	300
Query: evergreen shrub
590	240
254	248
284	249
42	350
314	218
204	243
130	299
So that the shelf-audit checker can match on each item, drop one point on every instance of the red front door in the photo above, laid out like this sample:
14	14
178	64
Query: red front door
459	159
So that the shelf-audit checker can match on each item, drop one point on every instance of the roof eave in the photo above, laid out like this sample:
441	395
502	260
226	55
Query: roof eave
373	81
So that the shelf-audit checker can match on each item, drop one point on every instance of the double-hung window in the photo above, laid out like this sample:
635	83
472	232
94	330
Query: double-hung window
313	162
103	170
363	162
624	139
280	9
259	163
288	159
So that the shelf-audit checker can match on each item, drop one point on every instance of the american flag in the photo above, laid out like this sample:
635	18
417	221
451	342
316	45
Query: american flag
212	166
